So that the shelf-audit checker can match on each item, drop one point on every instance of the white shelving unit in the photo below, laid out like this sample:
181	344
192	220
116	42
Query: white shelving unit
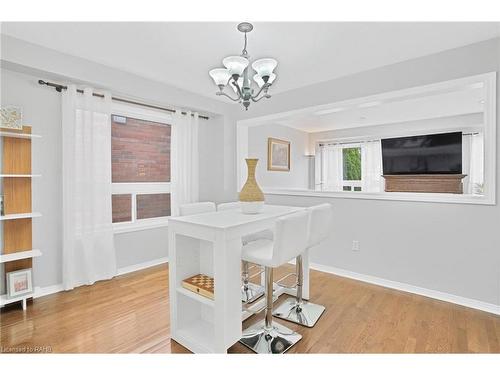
20	175
5	300
20	255
19	135
20	216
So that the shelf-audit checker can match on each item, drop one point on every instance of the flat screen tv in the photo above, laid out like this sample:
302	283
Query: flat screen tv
423	154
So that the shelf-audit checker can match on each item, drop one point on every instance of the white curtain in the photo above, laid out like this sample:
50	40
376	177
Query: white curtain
88	246
184	186
331	168
473	163
371	167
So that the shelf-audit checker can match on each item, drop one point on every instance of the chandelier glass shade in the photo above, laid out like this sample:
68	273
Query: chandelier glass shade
236	65
237	72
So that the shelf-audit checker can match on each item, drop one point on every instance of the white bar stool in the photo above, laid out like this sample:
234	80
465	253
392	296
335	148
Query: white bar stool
296	309
291	236
196	208
250	292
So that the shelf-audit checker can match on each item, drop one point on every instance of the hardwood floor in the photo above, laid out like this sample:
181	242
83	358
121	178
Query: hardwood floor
130	314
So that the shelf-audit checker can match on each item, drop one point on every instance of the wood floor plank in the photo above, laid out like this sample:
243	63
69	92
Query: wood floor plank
130	314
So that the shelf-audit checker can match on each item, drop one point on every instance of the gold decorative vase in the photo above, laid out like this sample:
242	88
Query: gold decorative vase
251	197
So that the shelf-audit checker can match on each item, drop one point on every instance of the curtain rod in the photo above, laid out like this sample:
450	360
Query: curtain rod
333	143
59	88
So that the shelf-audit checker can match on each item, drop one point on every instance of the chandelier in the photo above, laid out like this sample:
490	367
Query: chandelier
236	74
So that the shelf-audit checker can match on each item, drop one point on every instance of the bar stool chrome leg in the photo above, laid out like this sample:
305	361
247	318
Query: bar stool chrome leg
296	309
250	292
268	337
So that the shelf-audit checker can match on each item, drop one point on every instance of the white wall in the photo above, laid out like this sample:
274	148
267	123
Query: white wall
451	248
299	142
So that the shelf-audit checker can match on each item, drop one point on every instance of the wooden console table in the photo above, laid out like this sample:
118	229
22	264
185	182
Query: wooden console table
425	183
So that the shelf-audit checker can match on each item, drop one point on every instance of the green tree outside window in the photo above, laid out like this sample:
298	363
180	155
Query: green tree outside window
351	163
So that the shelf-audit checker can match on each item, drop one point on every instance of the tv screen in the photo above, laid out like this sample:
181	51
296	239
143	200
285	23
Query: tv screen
423	154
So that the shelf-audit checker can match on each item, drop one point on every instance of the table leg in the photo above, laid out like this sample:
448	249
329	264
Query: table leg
172	281
227	299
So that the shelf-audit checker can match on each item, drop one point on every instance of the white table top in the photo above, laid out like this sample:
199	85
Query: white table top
233	218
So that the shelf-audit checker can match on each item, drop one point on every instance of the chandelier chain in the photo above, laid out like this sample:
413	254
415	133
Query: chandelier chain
244	52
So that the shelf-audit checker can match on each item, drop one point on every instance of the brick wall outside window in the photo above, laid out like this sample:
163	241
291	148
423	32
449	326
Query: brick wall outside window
153	205
121	207
140	151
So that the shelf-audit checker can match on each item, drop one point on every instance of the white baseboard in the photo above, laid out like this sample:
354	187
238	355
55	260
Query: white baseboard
141	266
46	290
447	297
51	289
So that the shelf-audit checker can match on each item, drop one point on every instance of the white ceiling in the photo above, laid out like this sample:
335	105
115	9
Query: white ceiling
387	108
180	54
414	109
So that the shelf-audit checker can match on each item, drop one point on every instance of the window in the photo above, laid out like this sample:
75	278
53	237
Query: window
351	167
140	154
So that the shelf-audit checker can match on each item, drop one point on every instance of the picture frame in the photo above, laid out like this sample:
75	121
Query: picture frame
11	117
19	283
278	155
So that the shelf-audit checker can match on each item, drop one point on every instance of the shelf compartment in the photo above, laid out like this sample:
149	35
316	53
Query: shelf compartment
194	296
19	135
20	175
20	216
198	334
20	255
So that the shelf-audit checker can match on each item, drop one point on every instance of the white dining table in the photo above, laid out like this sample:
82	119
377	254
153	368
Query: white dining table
210	244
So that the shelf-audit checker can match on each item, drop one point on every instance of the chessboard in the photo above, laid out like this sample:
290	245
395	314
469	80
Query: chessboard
200	284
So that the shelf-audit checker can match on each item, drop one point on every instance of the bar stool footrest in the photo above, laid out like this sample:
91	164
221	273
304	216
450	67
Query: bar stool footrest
252	294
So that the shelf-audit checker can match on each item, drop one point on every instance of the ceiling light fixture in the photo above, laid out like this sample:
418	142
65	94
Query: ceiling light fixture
236	74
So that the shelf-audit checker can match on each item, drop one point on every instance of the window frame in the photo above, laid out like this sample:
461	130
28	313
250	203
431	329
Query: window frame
351	183
139	188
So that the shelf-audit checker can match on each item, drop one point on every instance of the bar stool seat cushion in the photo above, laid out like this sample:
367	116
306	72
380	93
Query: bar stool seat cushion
259	252
267	234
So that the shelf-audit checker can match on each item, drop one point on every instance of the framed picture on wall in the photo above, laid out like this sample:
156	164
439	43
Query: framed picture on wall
19	283
278	155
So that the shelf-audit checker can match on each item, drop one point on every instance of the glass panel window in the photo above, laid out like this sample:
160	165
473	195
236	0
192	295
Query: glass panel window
122	208
153	205
351	163
140	150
